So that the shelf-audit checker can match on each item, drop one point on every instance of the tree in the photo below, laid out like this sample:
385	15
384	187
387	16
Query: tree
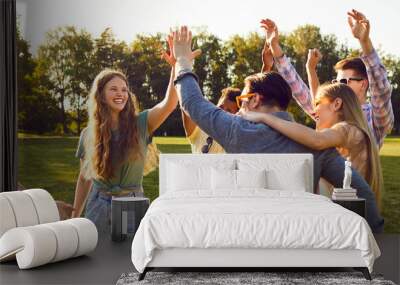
65	59
109	53
60	78
81	73
244	57
393	67
147	73
212	65
37	112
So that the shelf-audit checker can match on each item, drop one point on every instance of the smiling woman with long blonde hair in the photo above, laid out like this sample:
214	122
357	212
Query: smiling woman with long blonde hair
341	124
113	147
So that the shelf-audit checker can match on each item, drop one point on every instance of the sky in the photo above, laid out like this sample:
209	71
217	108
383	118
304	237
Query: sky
223	18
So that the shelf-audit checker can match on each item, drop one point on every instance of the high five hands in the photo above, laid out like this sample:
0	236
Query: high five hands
180	48
169	56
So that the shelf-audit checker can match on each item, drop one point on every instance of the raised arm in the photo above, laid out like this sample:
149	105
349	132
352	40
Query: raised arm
379	85
213	120
311	138
267	58
360	28
314	56
160	112
300	91
169	57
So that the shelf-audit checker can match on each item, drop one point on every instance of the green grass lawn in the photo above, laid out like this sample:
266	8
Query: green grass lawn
50	163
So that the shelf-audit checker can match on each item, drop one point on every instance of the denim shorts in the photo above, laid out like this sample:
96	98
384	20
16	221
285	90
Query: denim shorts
98	210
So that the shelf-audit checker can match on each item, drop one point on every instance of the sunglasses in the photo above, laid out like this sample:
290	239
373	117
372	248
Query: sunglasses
206	148
241	97
347	80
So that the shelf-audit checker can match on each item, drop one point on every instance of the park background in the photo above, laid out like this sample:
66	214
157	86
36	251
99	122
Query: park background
59	54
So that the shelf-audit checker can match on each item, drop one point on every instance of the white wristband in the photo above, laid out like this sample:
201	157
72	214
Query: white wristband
183	63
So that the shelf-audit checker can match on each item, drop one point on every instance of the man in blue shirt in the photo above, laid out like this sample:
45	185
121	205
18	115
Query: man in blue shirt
268	93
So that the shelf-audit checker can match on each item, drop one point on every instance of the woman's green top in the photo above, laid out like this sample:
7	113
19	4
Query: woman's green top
130	173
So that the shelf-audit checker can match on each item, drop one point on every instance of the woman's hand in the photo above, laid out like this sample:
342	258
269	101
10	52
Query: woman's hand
272	37
65	210
255	117
169	57
271	32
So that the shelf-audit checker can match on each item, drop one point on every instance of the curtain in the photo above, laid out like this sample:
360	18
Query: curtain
8	96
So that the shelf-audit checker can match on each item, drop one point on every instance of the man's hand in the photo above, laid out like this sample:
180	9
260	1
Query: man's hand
359	25
65	210
182	49
360	28
267	58
314	57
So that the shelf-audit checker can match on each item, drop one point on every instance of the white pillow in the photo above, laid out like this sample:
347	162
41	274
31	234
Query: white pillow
223	179
230	180
184	175
251	178
289	175
293	180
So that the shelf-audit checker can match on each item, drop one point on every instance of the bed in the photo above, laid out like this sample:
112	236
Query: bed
246	211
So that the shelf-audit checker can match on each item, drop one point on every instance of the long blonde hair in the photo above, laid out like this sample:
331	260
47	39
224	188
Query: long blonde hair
351	112
97	159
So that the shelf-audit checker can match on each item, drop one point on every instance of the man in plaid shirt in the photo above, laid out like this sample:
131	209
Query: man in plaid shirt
361	74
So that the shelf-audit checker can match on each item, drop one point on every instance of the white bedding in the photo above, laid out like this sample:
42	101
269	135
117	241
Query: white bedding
251	218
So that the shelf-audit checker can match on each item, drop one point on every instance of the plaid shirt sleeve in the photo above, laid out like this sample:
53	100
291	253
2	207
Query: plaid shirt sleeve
300	91
380	91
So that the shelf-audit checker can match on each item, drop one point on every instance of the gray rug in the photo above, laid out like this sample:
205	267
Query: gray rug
230	278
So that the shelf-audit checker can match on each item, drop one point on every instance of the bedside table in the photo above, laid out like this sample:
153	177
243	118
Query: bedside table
355	205
121	208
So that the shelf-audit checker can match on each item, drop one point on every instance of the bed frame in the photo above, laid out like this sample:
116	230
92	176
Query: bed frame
247	259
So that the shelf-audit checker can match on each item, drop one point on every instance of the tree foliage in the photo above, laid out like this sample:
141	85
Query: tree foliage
53	86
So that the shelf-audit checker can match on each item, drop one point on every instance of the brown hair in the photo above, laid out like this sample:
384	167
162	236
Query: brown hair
353	63
97	159
351	113
231	93
274	89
